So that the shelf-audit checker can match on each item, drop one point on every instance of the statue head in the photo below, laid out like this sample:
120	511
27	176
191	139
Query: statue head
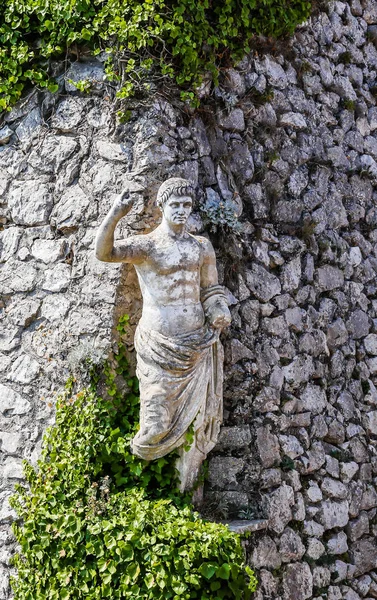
176	186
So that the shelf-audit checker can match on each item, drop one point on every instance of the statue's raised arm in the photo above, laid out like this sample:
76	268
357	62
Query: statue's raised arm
130	250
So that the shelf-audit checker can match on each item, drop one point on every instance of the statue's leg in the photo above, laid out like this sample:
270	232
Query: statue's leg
155	418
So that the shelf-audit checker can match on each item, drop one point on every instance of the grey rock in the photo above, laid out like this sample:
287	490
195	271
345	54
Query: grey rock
291	547
5	135
337	544
30	125
370	422
321	577
291	275
315	458
370	344
199	134
299	371
313	492
9	442
363	554
333	488
69	114
9	242
24	312
30	203
275	73
9	339
49	251
234	438
329	278
111	151
13	468
239	351
346	404
315	549
291	446
358	324
268	447
294	120
265	554
12	403
24	369
313	529
263	284
91	71
235	121
55	151
55	308
71	209
57	279
358	527
279	508
297	582
223	472
333	514
337	334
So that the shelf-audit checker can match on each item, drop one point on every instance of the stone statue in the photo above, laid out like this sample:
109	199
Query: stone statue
179	356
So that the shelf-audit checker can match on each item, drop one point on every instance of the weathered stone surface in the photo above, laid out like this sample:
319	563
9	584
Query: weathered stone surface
299	371
337	544
234	121
265	554
12	403
223	472
268	447
234	438
329	278
297	582
333	514
279	508
264	285
358	324
312	399
71	209
30	203
358	527
24	369
363	554
291	547
333	488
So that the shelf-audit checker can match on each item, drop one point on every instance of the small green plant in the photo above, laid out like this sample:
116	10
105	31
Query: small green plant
287	463
97	522
219	213
349	104
83	85
345	58
147	40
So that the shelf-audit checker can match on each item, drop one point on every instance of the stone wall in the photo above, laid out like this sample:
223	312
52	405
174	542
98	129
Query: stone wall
292	137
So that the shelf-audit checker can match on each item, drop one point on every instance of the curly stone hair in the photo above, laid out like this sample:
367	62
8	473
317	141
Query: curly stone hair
174	185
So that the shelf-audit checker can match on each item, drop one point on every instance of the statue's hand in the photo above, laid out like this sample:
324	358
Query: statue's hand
122	204
219	316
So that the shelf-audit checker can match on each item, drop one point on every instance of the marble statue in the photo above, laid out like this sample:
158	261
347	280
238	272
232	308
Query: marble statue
179	356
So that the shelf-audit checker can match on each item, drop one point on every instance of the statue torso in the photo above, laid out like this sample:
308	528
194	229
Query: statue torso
170	283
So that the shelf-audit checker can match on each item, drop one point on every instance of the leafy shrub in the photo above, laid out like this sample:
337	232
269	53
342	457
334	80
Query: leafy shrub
181	39
97	522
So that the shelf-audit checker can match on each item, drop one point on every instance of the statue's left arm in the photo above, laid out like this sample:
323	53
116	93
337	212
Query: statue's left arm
212	294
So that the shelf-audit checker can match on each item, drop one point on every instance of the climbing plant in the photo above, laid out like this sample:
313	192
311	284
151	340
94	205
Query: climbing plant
96	522
180	39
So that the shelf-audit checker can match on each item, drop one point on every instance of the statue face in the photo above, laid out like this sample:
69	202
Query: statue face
177	209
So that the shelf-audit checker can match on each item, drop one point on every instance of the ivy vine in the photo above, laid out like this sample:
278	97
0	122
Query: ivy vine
96	522
178	39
